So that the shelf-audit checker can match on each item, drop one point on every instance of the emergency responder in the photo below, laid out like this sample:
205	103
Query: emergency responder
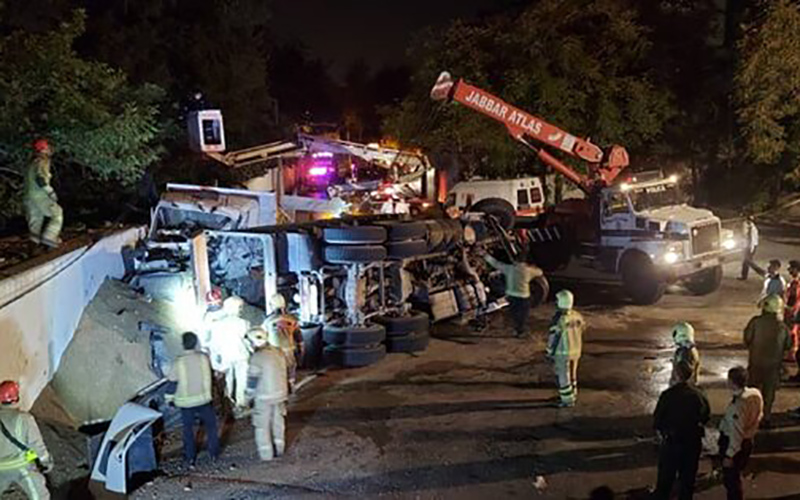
767	340
737	430
518	289
229	350
750	234
774	284
267	385
23	454
190	390
680	415
791	314
41	201
289	337
564	344
685	352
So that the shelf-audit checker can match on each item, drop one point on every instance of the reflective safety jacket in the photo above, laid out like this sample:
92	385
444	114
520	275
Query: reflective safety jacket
37	179
686	355
267	379
23	428
767	339
518	276
565	338
286	330
191	378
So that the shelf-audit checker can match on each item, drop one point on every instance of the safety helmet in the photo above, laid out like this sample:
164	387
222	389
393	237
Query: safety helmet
564	300
773	303
257	336
41	145
214	299
277	301
683	333
232	305
9	392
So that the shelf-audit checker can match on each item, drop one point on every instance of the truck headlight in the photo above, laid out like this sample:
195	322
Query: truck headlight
729	243
671	257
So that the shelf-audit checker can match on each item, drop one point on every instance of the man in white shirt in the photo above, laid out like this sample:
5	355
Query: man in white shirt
750	235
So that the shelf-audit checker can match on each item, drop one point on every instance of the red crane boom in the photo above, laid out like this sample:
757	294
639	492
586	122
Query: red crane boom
604	167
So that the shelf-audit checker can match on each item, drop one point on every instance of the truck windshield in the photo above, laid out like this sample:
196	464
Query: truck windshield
652	197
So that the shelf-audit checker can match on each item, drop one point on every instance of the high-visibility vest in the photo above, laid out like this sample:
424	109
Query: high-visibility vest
22	458
193	374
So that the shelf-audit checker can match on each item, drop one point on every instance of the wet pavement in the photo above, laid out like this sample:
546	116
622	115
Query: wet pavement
472	417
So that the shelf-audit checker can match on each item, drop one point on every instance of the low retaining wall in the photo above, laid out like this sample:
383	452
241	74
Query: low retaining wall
40	309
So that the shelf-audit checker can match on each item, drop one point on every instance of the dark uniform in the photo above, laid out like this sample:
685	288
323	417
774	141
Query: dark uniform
680	414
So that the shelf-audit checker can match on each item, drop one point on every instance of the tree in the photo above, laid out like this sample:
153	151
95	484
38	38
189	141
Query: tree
94	117
577	64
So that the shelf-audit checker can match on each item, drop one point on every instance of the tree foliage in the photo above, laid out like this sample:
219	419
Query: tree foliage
93	116
768	84
579	65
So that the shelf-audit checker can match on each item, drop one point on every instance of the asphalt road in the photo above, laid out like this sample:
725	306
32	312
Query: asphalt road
472	416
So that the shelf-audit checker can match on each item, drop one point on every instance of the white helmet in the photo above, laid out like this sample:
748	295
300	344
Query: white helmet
683	333
277	302
233	305
257	336
565	300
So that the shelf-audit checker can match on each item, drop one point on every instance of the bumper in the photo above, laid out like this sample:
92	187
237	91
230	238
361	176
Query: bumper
688	268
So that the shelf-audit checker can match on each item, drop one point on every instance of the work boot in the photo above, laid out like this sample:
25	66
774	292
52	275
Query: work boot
35	238
52	243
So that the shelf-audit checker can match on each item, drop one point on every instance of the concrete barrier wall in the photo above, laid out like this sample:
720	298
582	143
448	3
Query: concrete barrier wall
40	309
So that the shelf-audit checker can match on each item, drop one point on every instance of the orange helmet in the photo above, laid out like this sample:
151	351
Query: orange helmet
41	145
9	392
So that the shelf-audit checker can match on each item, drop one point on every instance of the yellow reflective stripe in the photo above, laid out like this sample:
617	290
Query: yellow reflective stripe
21	460
183	397
33	491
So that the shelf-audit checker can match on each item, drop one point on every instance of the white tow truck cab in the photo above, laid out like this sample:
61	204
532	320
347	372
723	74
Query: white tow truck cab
649	239
524	194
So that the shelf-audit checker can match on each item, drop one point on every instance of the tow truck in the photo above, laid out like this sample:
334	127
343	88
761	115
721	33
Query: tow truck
627	229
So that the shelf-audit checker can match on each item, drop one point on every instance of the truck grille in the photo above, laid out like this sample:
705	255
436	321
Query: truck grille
705	239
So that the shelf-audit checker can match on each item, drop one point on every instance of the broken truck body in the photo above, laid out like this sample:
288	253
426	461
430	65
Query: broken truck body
632	231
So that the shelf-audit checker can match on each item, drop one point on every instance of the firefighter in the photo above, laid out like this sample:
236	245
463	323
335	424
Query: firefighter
289	338
41	201
23	455
190	390
229	350
791	315
750	234
737	430
564	347
518	289
268	388
767	340
680	415
685	352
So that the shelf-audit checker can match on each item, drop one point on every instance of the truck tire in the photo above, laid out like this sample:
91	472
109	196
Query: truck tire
641	281
540	291
435	235
705	282
498	207
359	254
353	356
402	231
413	342
354	235
354	336
398	326
406	249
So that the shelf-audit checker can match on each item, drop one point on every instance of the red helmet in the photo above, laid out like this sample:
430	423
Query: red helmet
9	392
41	145
214	299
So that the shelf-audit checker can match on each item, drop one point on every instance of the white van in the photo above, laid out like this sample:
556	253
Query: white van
526	194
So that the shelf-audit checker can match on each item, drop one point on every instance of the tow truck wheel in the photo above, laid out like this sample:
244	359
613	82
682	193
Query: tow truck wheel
357	254
540	290
641	281
355	235
705	282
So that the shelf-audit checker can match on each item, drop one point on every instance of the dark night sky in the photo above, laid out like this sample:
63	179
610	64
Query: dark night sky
378	31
